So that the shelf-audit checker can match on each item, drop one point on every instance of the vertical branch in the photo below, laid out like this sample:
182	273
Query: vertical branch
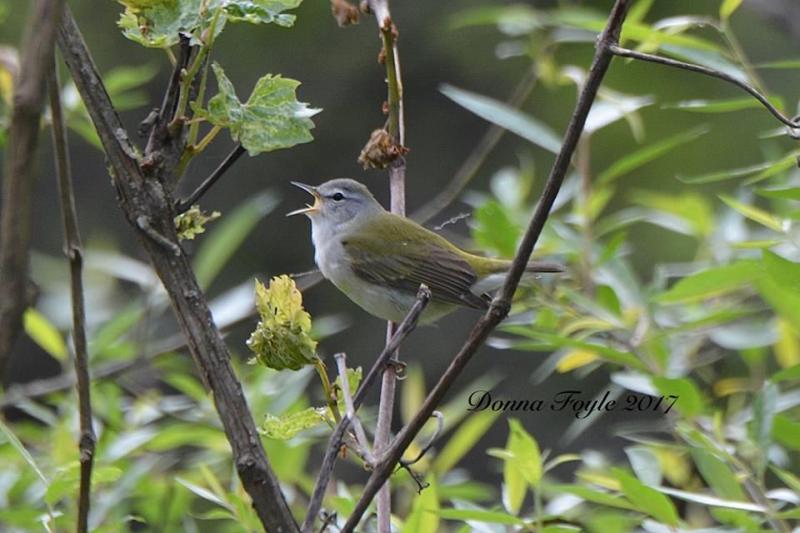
74	253
147	205
397	184
19	178
502	303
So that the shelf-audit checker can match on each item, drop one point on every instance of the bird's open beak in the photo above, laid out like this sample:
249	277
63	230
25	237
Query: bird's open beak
308	208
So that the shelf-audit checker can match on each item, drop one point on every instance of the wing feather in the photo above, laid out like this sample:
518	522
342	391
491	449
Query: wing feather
422	259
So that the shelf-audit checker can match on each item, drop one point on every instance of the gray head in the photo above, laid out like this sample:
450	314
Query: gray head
338	201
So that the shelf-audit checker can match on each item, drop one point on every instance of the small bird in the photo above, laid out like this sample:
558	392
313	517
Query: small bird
379	259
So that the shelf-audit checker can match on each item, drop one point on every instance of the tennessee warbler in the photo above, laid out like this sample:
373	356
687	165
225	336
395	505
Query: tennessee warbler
379	259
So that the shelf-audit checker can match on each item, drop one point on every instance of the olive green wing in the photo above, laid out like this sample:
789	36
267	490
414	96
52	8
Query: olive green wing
419	257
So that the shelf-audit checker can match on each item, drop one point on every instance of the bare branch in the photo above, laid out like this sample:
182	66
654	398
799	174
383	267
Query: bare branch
74	253
147	199
500	306
749	89
335	442
19	179
469	168
361	436
183	205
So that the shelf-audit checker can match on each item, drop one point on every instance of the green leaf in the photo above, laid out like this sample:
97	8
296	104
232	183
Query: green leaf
712	282
711	501
593	495
721	106
506	117
353	379
789	479
727	8
780	64
551	341
784	272
690	401
261	11
424	514
271	119
689	206
22	451
779	288
785	431
494	229
204	493
522	466
787	374
463	440
760	427
479	515
759	171
44	333
159	23
281	339
647	499
225	239
192	222
757	215
526	458
287	426
648	153
717	474
789	193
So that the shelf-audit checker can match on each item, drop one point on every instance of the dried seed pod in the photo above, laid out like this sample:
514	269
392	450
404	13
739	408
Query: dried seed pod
344	12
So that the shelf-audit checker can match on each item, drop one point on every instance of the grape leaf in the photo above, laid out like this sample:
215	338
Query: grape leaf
270	119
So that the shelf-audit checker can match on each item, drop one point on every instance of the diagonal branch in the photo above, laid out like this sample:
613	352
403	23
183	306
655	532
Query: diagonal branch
749	89
74	252
147	205
335	442
19	177
500	306
182	205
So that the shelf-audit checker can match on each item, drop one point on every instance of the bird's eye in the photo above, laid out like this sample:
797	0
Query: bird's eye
338	197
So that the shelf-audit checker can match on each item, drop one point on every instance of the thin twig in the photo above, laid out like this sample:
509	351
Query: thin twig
335	442
183	205
428	445
74	253
361	437
469	168
749	89
19	178
501	304
138	197
397	191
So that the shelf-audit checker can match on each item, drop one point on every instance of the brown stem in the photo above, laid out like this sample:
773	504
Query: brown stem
500	306
184	204
147	205
397	186
335	442
19	178
74	252
749	89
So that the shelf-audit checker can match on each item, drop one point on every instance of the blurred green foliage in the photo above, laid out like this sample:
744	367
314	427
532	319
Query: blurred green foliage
717	328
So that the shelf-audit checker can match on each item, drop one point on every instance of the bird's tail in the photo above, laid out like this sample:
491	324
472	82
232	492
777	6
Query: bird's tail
497	266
